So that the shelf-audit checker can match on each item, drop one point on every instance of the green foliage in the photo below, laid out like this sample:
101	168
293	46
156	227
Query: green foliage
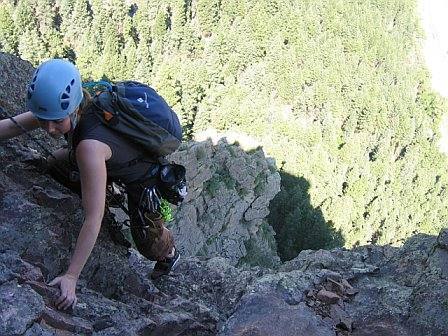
334	89
260	183
161	23
212	186
220	179
208	14
143	71
24	17
259	254
299	226
8	34
179	15
80	21
112	60
31	46
165	210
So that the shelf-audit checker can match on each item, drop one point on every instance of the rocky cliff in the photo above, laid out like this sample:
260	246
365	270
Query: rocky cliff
217	288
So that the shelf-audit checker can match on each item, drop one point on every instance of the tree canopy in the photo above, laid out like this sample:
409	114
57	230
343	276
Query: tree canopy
335	91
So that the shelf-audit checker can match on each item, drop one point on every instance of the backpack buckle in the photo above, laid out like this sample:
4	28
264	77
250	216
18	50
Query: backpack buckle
110	118
107	115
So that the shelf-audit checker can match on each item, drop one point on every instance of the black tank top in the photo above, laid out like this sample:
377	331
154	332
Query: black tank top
128	163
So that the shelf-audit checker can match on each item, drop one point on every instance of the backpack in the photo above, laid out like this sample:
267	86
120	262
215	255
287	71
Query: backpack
140	114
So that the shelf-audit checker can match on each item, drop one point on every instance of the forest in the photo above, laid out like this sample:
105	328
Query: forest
334	90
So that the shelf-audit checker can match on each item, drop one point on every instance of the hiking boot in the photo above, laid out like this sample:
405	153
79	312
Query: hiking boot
164	267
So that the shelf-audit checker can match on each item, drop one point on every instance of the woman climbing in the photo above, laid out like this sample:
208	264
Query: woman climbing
58	104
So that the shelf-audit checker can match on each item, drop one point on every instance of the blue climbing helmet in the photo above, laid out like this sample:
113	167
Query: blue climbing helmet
55	90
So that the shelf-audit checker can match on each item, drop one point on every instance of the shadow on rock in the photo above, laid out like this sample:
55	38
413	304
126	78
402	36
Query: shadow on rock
298	225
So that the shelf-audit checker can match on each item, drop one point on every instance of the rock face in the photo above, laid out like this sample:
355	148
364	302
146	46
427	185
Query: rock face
371	290
225	211
229	189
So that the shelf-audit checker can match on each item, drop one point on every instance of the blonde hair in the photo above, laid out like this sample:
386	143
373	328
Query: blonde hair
86	102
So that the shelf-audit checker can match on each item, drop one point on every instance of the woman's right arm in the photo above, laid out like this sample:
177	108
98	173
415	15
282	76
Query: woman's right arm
8	129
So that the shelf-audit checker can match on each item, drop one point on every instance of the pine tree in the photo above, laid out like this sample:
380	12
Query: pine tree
99	24
88	58
111	57
46	16
142	23
130	60
179	15
64	13
144	68
24	18
160	24
208	15
79	23
31	47
117	12
8	34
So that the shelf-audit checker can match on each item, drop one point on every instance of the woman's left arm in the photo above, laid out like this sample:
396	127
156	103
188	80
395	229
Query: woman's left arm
91	156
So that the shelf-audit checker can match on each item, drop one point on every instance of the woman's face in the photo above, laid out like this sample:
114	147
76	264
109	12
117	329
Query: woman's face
56	128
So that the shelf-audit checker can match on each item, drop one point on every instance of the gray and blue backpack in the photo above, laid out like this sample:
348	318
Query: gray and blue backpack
140	114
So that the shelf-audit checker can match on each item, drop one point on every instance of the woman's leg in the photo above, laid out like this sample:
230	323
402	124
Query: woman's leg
153	240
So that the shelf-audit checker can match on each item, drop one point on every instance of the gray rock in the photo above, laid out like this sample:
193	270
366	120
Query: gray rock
379	299
20	306
38	330
289	286
6	274
138	327
442	240
62	321
408	264
11	261
230	191
270	316
386	327
429	307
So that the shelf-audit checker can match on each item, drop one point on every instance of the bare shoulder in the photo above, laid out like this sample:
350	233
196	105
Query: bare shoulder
93	150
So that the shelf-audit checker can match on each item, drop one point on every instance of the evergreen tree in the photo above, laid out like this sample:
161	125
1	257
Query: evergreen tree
118	11
160	24
79	23
111	59
64	16
99	25
144	68
65	7
24	18
8	34
130	60
142	22
179	15
207	12
88	58
31	47
46	15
